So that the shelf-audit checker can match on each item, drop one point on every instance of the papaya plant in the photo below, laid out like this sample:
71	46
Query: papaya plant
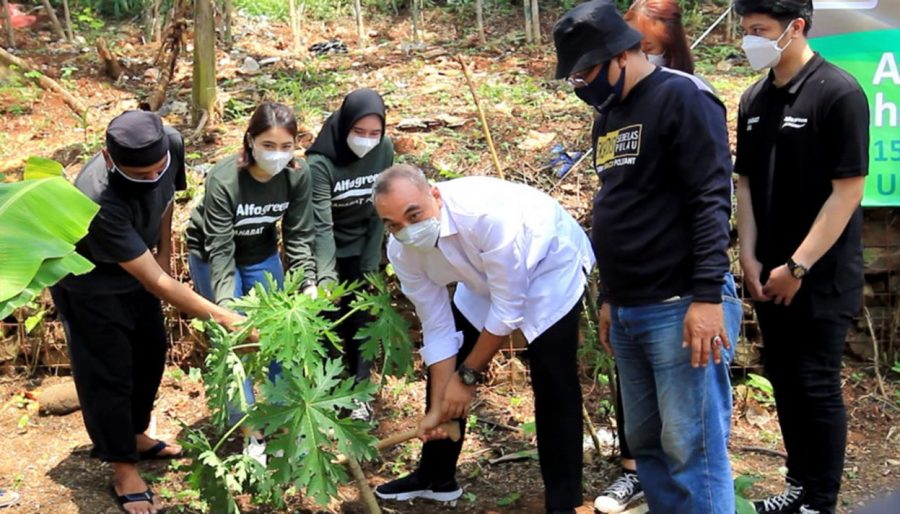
303	413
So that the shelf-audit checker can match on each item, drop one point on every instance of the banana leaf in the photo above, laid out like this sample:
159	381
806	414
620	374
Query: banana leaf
40	222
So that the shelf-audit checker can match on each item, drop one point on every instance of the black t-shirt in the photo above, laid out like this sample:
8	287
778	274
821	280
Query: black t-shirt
660	220
792	141
126	226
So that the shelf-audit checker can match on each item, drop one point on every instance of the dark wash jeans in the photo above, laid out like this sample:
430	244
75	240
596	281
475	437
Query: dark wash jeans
802	358
677	418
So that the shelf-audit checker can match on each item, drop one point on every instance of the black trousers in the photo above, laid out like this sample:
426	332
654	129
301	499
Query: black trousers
117	346
349	271
802	359
557	403
624	450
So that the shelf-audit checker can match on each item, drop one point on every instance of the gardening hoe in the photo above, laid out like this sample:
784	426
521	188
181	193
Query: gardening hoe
451	428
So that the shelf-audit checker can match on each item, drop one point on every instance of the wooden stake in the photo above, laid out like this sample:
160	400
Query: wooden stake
590	427
535	22
229	20
296	13
365	492
481	116
528	26
203	91
415	20
7	21
44	82
53	19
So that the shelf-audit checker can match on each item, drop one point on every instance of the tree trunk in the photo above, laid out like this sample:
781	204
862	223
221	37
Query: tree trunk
536	22
528	37
229	20
43	81
415	21
68	18
113	68
204	90
296	7
360	26
479	16
53	19
7	22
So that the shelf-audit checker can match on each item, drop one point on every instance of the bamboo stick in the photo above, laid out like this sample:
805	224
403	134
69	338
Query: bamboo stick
481	116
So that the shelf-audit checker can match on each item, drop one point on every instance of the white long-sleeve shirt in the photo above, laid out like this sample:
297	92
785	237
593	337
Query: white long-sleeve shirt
519	260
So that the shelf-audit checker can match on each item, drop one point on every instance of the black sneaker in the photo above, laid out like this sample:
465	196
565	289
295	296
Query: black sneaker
626	489
788	502
413	486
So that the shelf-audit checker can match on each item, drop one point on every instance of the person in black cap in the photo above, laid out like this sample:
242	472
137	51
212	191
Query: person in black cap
802	157
112	315
349	152
669	309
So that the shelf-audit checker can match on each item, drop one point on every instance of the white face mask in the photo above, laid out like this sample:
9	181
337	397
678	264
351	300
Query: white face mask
764	52
657	59
362	145
271	162
422	235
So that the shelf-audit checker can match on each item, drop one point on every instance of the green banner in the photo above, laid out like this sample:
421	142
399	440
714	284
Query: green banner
863	38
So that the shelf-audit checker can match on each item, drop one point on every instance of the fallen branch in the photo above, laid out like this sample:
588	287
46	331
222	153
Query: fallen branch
204	118
764	451
484	123
173	43
512	457
112	65
44	82
591	430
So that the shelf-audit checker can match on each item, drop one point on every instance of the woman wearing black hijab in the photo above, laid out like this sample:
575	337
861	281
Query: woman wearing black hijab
347	155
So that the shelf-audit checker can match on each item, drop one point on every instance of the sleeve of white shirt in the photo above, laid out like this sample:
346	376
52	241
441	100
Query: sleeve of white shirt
440	338
501	241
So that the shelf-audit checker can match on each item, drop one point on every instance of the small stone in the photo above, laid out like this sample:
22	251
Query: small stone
151	74
250	65
269	60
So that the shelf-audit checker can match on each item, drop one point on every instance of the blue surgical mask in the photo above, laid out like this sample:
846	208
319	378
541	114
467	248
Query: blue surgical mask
422	235
599	93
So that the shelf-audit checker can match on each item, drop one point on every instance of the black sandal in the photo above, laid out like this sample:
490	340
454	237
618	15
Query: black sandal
153	452
122	500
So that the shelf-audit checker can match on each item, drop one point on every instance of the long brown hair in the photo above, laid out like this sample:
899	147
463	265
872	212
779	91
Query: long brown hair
661	19
268	115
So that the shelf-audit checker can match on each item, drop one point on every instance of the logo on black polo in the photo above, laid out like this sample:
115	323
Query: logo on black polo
619	147
794	122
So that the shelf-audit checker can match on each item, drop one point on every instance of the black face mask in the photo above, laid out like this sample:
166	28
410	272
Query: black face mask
599	94
133	187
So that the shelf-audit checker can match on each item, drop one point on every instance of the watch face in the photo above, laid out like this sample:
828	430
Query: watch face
798	272
467	376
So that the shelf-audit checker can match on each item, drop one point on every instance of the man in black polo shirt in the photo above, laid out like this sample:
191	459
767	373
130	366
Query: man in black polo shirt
112	316
660	233
802	155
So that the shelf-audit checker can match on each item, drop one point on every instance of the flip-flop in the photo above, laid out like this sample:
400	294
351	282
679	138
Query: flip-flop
8	498
123	499
152	453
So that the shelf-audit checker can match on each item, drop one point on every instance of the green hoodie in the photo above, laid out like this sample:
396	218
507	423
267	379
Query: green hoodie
346	222
234	224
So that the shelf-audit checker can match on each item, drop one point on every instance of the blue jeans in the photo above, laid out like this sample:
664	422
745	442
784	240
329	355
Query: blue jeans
677	417
245	277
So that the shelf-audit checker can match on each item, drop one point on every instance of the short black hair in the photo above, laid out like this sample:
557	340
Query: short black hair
784	11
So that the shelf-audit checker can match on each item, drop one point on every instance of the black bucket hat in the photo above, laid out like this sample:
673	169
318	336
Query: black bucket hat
591	33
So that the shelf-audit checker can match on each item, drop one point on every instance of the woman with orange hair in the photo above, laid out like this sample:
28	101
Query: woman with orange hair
664	41
664	44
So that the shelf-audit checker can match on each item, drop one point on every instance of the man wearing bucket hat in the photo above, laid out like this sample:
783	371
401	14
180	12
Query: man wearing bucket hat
112	315
660	233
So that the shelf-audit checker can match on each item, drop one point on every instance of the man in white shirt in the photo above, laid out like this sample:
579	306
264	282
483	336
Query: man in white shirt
520	262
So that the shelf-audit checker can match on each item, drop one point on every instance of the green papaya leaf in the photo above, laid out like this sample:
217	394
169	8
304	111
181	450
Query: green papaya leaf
40	220
39	167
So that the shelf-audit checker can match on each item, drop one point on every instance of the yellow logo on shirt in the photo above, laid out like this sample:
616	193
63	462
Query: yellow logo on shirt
619	147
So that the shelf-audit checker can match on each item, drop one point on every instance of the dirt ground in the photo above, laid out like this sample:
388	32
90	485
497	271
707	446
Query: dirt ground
434	124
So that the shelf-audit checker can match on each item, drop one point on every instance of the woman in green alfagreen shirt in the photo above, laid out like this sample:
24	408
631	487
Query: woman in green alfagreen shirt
232	237
347	155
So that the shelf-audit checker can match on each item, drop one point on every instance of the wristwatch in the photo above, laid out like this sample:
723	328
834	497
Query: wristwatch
797	270
469	376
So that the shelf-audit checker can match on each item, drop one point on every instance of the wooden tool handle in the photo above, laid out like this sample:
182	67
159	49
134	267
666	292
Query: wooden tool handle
450	427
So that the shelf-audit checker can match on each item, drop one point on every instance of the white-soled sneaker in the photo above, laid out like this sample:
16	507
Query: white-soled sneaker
255	448
626	489
804	509
788	502
413	486
362	412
